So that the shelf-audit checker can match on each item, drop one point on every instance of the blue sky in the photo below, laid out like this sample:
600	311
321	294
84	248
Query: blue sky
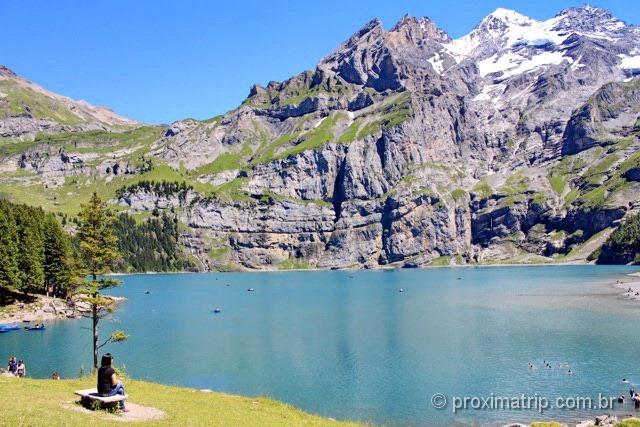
159	61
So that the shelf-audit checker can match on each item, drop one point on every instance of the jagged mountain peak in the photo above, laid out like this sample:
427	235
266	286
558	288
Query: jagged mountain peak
423	27
504	31
505	15
585	10
589	21
372	27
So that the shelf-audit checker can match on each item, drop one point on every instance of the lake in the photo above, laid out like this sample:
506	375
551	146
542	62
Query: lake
349	345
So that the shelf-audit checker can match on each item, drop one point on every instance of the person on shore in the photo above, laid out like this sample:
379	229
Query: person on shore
13	365
108	384
21	369
55	376
631	392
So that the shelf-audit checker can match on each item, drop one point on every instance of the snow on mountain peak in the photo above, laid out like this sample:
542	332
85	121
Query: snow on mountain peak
507	15
505	29
501	29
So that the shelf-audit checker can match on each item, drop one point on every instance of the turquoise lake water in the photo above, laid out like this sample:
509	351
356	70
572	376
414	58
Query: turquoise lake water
348	345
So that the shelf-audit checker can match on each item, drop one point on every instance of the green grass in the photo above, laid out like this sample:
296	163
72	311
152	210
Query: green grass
370	128
315	138
267	151
571	197
351	133
232	191
539	199
556	235
569	165
441	261
601	168
294	264
293	94
219	252
100	142
17	97
621	145
558	184
52	403
78	189
595	198
631	422
458	194
224	162
393	113
483	188
515	184
296	91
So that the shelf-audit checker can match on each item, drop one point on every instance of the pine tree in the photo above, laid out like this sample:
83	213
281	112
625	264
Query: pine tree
30	248
59	278
9	273
98	246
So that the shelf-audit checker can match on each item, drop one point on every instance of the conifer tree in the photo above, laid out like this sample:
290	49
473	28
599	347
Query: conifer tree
99	249
30	248
59	277
9	273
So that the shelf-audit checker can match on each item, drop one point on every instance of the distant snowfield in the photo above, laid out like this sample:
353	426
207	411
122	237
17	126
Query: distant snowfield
507	32
512	64
630	62
511	28
507	44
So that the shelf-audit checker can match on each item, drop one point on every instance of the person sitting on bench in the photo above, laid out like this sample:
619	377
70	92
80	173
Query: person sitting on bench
108	384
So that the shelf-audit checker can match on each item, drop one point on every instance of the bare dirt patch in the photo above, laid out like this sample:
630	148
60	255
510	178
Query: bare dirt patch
136	412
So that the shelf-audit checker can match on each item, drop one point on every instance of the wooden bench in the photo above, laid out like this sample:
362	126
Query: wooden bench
90	398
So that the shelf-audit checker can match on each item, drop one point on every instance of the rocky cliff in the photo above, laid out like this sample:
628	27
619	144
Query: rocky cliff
515	143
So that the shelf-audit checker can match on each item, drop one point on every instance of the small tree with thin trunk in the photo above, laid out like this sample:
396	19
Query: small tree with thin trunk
99	248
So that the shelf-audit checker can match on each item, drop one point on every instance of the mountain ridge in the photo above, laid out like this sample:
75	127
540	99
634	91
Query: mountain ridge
28	108
391	152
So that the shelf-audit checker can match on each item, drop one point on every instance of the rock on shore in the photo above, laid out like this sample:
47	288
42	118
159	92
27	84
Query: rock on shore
44	308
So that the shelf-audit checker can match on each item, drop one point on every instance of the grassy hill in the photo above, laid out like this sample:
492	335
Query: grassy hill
52	403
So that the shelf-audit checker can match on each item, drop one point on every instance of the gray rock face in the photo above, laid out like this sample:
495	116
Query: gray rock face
142	200
614	106
381	203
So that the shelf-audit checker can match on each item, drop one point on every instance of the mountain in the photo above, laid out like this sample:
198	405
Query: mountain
26	109
517	142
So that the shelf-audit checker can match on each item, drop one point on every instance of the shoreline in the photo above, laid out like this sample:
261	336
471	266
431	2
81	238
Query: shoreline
382	268
44	308
52	309
631	288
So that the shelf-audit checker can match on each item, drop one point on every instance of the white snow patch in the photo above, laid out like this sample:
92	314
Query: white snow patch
491	93
507	28
510	27
511	64
630	62
436	62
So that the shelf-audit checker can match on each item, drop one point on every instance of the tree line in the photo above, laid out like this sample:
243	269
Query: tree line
149	246
37	256
623	246
162	188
